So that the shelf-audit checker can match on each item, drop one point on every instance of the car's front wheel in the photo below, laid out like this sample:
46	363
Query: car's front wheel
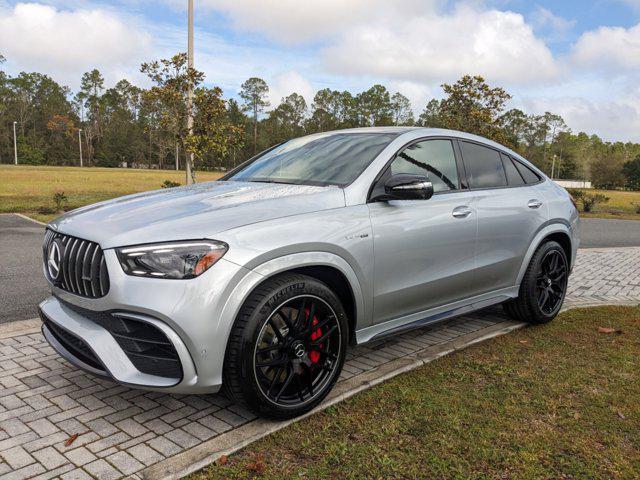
543	286
287	347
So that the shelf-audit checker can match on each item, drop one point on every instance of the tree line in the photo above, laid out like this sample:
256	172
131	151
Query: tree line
147	127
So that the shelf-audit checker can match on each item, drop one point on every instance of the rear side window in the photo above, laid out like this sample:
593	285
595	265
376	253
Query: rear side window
513	176
529	175
483	165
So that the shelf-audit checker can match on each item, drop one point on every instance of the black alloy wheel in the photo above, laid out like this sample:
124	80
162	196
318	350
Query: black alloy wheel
543	286
551	282
297	351
287	347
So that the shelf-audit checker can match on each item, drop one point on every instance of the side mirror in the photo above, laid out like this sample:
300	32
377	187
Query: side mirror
404	186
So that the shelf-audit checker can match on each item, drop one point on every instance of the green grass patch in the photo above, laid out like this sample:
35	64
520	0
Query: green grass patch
29	190
554	401
621	205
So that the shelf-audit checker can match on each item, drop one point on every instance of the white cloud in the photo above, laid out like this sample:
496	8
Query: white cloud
293	21
286	83
432	47
417	93
608	48
613	120
65	43
551	25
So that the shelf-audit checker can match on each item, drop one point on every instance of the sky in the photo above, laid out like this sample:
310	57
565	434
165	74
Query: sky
580	59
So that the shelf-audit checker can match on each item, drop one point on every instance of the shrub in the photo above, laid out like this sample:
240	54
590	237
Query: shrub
60	199
575	193
170	184
28	154
46	210
590	200
631	171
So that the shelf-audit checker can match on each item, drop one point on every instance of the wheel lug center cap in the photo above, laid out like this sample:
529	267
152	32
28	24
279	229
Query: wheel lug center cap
298	349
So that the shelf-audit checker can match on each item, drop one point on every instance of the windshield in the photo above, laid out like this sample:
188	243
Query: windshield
323	159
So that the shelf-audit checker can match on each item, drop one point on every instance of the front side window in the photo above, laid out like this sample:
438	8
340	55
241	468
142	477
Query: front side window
432	158
483	165
323	159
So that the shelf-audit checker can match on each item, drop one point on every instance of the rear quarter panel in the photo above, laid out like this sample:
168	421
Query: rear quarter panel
561	210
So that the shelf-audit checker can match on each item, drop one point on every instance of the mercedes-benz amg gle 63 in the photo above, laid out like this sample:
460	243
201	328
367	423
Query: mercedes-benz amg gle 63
259	282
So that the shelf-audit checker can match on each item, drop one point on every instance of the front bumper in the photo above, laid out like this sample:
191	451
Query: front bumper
93	348
195	316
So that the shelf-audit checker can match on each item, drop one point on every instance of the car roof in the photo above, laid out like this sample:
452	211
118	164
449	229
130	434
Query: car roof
434	132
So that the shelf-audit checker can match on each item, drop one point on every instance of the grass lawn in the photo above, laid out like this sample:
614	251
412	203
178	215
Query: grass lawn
620	205
26	189
29	190
556	401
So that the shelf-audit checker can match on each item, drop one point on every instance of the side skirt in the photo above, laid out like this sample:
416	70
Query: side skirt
434	315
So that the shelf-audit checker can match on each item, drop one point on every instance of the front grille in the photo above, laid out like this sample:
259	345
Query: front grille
82	267
74	345
147	347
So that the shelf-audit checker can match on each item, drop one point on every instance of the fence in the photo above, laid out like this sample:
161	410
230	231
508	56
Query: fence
573	183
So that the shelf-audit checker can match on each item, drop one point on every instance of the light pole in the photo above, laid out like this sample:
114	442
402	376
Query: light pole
80	144
190	163
15	144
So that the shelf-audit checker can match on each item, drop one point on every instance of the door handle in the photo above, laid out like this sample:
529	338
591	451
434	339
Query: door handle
461	212
534	203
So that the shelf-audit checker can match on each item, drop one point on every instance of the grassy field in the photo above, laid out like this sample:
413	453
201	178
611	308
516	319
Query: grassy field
556	401
621	205
30	190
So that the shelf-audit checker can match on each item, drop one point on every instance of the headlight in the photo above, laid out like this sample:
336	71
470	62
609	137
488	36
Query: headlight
177	260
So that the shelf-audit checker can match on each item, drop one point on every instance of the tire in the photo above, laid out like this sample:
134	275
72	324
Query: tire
286	348
530	305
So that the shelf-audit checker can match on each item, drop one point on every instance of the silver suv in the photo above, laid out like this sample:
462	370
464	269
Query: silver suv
257	283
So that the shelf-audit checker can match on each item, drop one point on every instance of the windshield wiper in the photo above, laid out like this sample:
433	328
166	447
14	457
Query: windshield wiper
285	182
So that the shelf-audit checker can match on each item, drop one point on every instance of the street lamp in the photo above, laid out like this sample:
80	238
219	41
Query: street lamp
15	144
190	162
80	144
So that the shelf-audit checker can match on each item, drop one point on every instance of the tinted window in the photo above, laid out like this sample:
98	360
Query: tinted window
513	176
483	165
432	158
529	175
323	159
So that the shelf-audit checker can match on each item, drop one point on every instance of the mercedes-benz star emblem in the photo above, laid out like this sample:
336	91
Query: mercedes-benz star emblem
298	349
53	260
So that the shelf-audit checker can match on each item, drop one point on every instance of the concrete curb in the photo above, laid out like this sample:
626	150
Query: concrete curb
208	452
25	217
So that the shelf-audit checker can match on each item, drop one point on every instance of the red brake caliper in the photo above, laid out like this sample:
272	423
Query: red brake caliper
314	355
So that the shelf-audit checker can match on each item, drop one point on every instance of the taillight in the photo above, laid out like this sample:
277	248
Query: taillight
573	200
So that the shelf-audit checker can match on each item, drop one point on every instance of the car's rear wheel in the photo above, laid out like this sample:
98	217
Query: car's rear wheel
543	286
287	347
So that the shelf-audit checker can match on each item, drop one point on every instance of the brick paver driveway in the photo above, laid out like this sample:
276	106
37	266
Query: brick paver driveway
121	432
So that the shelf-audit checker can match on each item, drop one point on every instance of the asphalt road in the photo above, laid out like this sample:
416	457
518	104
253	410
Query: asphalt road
22	285
602	233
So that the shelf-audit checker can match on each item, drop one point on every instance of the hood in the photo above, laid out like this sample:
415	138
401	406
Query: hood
193	212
